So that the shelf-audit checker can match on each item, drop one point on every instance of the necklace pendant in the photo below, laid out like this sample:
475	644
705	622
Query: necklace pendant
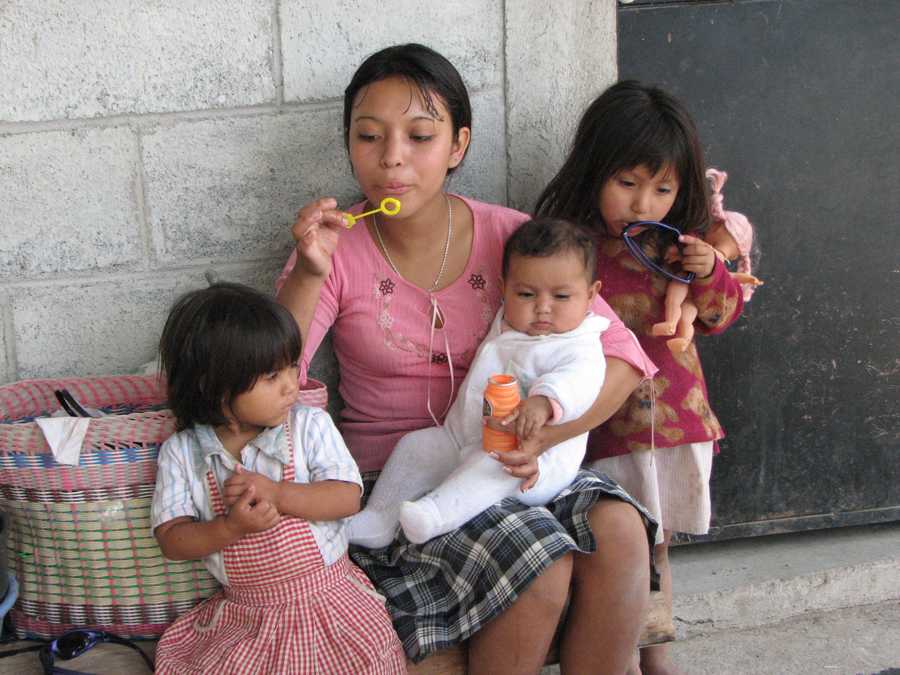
440	274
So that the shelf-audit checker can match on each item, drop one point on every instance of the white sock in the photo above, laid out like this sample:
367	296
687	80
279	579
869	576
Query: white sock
421	520
373	528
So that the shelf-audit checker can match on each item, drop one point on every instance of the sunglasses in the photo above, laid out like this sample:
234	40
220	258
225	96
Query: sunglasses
77	642
667	236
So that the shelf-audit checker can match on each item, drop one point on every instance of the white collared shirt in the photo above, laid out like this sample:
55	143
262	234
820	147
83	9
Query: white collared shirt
319	454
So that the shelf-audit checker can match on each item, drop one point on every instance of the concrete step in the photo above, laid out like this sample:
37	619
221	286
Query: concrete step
735	585
840	642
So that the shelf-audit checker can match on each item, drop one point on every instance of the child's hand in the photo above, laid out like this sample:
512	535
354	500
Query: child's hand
316	232
242	480
697	256
530	415
251	514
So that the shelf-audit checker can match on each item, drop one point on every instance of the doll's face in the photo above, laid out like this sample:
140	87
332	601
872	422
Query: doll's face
637	194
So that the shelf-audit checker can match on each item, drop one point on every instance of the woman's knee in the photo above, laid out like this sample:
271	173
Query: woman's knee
618	522
621	538
550	591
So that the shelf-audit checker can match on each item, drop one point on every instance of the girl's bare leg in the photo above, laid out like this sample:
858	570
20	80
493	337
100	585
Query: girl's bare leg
656	660
610	594
517	641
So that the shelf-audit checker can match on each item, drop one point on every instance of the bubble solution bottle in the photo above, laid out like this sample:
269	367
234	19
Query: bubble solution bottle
501	396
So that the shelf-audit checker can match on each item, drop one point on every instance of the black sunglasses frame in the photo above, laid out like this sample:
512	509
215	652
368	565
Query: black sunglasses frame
635	249
74	643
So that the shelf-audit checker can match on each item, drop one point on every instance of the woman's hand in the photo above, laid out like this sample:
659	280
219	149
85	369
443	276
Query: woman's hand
316	232
697	256
522	462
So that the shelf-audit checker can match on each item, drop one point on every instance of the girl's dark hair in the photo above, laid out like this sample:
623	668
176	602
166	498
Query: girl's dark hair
543	237
426	70
216	343
629	125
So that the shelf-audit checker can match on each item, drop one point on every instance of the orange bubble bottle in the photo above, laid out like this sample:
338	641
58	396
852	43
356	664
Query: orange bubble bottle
501	396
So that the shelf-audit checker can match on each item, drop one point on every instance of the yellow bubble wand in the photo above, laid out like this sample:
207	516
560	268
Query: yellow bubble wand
388	206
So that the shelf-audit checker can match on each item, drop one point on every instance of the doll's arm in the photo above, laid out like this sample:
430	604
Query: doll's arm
748	279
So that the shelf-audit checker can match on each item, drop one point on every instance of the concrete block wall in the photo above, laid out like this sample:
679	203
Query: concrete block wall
147	146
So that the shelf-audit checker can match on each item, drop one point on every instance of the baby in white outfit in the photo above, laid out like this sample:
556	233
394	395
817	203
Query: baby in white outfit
438	478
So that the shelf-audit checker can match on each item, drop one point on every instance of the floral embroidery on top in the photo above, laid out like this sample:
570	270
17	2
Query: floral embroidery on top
385	292
386	287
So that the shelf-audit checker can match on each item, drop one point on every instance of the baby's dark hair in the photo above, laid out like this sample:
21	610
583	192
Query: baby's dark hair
630	125
544	237
216	343
426	71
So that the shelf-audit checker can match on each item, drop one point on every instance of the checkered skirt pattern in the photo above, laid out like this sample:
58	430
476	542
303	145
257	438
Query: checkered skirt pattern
441	592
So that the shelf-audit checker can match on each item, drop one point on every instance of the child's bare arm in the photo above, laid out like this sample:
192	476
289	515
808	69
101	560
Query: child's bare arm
321	500
185	538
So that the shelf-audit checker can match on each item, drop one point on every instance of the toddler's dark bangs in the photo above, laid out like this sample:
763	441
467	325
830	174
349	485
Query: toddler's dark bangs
273	343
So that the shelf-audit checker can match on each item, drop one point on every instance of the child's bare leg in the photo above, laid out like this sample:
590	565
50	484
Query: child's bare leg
676	293
419	462
685	328
656	660
610	593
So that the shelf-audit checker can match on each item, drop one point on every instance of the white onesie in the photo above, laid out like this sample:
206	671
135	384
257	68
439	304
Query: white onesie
447	464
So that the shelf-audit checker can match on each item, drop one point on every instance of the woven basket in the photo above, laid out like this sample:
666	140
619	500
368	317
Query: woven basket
79	540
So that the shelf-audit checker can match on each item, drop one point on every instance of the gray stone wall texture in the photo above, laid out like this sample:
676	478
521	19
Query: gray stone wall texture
146	147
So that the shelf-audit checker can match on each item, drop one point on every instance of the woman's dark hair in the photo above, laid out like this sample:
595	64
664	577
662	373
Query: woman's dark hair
543	237
426	70
629	125
216	343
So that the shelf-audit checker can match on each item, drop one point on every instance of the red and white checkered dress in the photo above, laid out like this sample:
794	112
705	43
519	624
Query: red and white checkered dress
283	611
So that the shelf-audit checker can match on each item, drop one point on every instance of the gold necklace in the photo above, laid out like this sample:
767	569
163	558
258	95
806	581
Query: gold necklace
440	273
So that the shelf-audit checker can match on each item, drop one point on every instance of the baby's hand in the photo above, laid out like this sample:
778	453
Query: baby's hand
251	514
530	415
242	480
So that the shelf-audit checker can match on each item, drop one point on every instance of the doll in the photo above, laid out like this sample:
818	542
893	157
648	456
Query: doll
731	234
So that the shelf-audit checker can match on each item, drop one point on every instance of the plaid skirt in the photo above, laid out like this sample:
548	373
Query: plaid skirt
441	592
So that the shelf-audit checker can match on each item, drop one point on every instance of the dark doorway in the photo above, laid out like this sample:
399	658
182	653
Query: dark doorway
798	101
